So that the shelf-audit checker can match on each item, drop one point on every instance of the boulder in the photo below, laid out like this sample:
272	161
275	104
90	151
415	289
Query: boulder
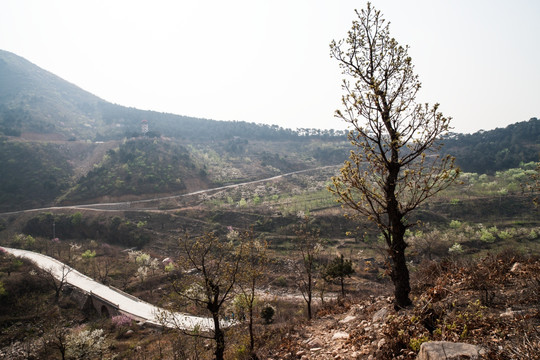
445	350
340	335
380	315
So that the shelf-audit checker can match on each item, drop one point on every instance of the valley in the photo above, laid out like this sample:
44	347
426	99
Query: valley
161	211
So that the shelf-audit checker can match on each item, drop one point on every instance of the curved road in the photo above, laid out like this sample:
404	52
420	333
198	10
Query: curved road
127	304
127	204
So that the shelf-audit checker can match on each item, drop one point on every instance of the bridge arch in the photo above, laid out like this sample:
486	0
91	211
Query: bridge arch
105	312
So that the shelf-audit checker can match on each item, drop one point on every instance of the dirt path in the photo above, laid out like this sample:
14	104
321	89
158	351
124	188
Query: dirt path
127	205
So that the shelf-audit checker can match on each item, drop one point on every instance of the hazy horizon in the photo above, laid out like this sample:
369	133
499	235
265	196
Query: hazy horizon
268	62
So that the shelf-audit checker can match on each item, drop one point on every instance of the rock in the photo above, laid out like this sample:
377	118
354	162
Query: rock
315	343
380	315
381	343
348	319
315	349
340	335
445	350
509	313
515	268
300	353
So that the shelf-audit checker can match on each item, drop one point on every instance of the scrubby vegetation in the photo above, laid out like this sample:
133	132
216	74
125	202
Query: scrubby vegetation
472	252
457	267
32	174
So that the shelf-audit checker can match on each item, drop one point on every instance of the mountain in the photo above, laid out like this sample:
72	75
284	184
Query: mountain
62	145
34	100
37	104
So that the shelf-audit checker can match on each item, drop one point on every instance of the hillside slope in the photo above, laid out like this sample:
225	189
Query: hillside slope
499	149
34	101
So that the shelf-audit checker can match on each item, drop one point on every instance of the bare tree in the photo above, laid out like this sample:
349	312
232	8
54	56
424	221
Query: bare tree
58	337
255	260
394	165
309	244
210	269
56	278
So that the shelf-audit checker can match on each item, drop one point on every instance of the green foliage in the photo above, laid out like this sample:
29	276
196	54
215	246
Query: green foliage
242	202
455	224
281	281
32	175
76	218
339	268
113	230
137	167
3	291
486	235
267	314
88	254
141	224
455	249
415	343
496	150
23	241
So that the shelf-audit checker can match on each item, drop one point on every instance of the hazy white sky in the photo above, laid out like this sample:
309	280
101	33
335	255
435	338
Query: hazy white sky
267	61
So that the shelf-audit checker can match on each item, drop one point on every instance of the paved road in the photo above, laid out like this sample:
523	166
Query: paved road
127	304
126	205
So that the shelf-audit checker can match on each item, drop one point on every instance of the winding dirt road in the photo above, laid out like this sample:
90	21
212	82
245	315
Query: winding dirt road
127	205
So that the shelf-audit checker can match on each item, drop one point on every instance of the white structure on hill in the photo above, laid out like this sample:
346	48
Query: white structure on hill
144	127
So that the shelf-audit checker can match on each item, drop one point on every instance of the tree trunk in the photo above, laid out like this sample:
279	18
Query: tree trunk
342	287
308	301
219	338
400	274
251	336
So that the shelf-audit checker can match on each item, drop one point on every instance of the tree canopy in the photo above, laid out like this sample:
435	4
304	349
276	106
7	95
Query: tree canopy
394	165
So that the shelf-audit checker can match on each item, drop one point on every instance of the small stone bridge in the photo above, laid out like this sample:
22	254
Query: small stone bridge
90	301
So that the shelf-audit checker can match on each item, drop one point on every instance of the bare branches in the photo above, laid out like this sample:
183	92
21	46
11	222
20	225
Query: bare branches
56	278
393	167
210	269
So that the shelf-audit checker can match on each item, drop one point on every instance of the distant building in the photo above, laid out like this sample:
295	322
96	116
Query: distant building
144	127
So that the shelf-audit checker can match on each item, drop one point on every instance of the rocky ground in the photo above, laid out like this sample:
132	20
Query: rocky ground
493	302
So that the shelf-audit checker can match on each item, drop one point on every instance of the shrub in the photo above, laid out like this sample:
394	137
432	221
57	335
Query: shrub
455	249
2	289
486	235
455	224
267	313
121	321
86	344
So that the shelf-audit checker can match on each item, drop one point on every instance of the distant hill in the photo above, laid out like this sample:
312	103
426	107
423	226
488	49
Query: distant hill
494	150
33	100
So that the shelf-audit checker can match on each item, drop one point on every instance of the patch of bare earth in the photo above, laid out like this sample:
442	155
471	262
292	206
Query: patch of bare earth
493	302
